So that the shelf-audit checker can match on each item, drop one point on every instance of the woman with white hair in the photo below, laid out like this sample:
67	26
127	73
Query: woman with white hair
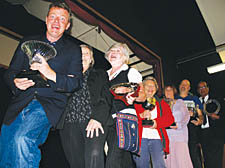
118	57
153	137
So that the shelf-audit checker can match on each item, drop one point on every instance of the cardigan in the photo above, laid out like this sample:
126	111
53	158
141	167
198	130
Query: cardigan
163	121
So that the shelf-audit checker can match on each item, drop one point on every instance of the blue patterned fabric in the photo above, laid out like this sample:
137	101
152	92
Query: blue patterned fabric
127	132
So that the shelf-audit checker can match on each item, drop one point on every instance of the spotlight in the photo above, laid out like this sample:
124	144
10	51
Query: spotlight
216	68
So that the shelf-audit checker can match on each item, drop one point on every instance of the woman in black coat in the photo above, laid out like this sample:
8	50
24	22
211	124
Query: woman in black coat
84	132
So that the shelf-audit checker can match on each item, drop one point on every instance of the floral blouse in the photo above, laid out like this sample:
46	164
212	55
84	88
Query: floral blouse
78	108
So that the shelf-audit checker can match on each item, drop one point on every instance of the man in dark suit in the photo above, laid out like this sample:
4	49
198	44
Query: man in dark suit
33	110
212	130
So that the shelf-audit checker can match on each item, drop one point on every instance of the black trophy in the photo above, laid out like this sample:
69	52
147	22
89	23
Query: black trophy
149	104
32	49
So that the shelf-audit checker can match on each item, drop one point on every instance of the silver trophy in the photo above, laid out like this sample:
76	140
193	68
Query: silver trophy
32	49
212	106
191	106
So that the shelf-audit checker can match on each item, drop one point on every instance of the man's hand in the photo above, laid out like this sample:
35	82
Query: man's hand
92	126
200	117
23	83
213	116
44	69
198	122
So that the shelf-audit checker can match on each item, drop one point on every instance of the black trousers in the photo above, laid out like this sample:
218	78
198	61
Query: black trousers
194	150
212	148
117	158
80	151
193	145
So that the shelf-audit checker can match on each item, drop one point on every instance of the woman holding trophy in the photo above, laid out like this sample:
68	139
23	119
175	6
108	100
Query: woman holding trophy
154	116
121	77
178	134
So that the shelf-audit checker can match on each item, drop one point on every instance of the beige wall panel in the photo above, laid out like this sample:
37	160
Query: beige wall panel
7	49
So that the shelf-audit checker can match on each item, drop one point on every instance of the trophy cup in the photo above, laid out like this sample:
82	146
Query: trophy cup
149	105
192	107
131	87
32	49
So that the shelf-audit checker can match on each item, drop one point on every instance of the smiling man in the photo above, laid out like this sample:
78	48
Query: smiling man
34	110
212	130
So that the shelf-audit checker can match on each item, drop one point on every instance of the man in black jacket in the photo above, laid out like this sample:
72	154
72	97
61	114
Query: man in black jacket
212	130
33	110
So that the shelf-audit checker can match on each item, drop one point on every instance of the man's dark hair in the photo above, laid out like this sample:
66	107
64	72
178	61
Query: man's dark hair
206	84
60	4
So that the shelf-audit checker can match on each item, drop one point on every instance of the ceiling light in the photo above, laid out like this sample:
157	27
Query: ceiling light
216	68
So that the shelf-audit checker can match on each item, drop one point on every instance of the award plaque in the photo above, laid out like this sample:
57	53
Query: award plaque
211	106
149	105
131	87
32	49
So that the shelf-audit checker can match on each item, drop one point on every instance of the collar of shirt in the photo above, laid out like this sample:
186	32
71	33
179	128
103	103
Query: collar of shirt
57	43
122	68
205	98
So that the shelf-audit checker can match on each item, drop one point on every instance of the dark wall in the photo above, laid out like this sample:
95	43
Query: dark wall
170	72
196	70
15	18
